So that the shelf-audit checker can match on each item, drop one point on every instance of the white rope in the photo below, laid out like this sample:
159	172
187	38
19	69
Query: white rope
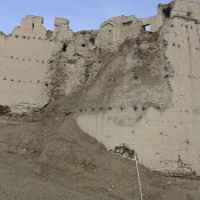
138	177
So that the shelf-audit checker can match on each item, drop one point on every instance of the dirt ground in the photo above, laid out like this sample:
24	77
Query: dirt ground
47	156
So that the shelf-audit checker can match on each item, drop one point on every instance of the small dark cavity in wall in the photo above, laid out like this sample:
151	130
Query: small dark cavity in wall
167	12
143	108
4	110
33	25
64	47
92	41
135	108
83	45
189	14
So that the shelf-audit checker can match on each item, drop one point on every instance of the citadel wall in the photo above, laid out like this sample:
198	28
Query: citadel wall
167	140
135	87
23	56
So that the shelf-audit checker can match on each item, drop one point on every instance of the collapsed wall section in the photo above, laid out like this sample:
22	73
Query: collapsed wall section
164	135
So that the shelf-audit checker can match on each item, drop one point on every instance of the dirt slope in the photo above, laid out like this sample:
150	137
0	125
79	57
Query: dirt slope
47	156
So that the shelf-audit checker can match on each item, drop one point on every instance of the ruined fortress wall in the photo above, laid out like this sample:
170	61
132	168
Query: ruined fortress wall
23	56
135	87
166	141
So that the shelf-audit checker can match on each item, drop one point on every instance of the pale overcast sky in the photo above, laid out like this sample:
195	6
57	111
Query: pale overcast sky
83	14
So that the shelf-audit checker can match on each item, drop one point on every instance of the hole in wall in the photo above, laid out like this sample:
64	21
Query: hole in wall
64	48
167	12
83	45
189	14
92	41
166	76
33	25
135	107
147	27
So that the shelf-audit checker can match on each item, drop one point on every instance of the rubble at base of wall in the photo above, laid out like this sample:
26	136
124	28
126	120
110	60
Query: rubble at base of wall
176	174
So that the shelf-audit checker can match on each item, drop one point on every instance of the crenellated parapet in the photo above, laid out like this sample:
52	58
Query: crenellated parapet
31	26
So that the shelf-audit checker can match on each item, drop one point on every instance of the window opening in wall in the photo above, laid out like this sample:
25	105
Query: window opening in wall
64	48
147	27
83	45
167	12
33	25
